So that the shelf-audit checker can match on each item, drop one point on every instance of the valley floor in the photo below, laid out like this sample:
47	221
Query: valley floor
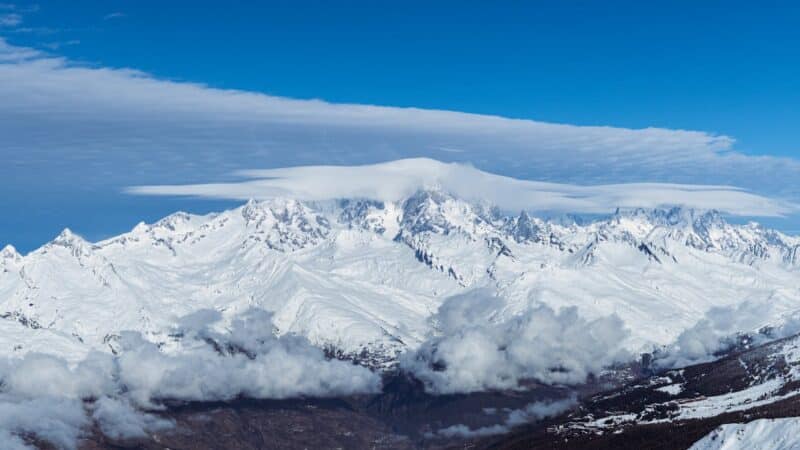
668	410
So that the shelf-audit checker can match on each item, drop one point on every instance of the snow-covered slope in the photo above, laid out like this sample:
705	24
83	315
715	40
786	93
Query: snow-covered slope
764	434
366	275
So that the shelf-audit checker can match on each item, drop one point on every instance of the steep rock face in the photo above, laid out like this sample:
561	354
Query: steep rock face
366	275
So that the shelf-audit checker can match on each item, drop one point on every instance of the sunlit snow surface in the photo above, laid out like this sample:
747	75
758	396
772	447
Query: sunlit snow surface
762	434
367	275
367	279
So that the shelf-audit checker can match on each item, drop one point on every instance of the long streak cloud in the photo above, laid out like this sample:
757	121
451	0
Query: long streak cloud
396	180
91	126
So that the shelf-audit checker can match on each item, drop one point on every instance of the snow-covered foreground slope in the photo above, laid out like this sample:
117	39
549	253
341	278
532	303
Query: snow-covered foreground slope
763	434
364	275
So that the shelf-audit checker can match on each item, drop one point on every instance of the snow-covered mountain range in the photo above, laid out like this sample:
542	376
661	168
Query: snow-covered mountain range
362	275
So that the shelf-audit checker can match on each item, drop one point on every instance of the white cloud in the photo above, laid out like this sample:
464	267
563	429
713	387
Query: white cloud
399	179
721	329
44	375
255	364
118	419
114	15
58	45
43	396
10	54
89	127
56	420
471	353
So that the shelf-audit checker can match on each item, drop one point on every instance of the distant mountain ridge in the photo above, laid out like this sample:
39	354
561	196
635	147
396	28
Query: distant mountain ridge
365	276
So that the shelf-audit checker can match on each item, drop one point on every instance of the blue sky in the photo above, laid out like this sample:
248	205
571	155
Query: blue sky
721	68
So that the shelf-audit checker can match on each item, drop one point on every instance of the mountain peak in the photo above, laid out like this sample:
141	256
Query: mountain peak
437	211
174	220
74	243
525	228
9	252
67	238
140	227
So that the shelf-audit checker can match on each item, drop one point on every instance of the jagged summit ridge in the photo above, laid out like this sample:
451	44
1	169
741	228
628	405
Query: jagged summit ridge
361	274
284	224
436	211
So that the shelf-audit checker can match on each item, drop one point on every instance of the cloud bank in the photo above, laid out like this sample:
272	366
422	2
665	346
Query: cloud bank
398	180
471	353
45	397
249	361
722	329
90	126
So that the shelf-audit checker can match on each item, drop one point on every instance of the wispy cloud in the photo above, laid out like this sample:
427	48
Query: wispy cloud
13	55
12	16
96	127
10	20
58	45
42	31
19	8
114	15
